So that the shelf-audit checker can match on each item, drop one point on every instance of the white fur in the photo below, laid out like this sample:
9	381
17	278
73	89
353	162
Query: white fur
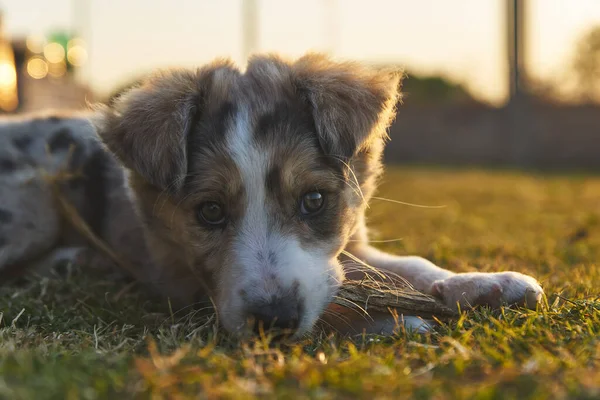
314	272
30	201
416	324
456	289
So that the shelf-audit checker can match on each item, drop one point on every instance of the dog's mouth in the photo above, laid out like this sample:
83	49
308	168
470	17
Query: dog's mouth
284	320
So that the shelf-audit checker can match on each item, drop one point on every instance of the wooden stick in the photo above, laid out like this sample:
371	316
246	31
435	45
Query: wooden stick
362	296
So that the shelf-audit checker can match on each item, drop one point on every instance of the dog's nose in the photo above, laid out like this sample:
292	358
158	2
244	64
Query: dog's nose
276	314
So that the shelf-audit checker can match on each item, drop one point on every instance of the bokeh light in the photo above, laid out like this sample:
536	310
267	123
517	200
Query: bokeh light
75	42
37	68
54	52
35	44
58	69
8	75
9	99
76	52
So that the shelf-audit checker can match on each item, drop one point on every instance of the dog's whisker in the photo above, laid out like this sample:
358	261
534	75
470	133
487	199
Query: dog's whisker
379	241
407	203
349	184
358	260
351	170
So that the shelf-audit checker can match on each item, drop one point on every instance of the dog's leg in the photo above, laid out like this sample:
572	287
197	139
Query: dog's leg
29	223
464	289
44	264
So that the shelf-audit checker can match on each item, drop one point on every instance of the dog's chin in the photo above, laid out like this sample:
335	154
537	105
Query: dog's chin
309	321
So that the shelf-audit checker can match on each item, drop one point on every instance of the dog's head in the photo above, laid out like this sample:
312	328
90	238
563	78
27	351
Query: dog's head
250	184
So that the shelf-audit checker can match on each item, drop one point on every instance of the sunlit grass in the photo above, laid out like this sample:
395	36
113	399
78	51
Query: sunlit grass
78	335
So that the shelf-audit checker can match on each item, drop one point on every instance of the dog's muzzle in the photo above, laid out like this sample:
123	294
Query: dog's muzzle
279	313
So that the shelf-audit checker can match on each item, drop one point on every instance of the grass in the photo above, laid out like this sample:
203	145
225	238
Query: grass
77	335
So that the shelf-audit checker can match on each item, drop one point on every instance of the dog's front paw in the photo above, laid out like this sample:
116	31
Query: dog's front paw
489	289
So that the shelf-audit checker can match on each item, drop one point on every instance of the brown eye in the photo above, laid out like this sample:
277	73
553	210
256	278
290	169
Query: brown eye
311	203
211	213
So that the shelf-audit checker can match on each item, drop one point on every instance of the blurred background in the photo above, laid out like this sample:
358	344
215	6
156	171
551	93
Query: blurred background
493	82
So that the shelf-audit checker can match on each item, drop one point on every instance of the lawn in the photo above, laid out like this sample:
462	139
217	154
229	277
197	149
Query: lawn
79	335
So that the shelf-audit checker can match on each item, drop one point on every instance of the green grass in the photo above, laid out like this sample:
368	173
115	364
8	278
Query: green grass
82	336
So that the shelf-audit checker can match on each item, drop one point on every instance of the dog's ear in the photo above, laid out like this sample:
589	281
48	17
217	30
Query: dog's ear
351	104
146	128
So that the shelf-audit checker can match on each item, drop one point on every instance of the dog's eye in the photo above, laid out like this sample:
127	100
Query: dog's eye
311	203
211	213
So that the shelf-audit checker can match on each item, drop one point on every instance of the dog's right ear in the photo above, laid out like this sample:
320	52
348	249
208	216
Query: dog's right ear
147	127
352	105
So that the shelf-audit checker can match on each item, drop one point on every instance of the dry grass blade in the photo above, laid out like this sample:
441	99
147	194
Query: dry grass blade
71	215
66	338
361	296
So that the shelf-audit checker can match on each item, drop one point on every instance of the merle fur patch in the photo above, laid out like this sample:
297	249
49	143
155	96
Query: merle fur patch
61	140
22	142
7	165
6	216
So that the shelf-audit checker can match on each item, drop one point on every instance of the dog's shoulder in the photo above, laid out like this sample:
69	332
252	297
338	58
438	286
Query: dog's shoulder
61	148
50	140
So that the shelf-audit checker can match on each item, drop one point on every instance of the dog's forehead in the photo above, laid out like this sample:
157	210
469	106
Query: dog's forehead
253	123
257	108
265	83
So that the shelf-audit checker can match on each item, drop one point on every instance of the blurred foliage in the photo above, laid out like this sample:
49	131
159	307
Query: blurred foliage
433	90
417	90
586	65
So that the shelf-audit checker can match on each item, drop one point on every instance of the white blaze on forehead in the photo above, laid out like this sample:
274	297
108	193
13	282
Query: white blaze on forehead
252	165
260	253
292	262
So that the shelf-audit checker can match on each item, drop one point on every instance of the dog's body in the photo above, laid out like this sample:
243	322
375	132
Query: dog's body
247	187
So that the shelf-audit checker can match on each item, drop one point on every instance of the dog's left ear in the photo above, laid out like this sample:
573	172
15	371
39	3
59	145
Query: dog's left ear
352	105
146	128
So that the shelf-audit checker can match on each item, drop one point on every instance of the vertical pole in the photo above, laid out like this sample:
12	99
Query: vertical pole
520	39
515	26
331	26
81	25
250	27
520	114
511	33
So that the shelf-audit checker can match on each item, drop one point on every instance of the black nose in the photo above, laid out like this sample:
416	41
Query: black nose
277	314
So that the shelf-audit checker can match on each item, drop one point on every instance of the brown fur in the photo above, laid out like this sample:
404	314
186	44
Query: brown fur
323	124
254	143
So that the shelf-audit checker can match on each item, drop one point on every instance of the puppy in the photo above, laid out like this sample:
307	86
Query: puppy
247	187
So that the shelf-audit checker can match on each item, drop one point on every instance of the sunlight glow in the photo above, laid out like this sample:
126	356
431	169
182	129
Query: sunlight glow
9	99
463	40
